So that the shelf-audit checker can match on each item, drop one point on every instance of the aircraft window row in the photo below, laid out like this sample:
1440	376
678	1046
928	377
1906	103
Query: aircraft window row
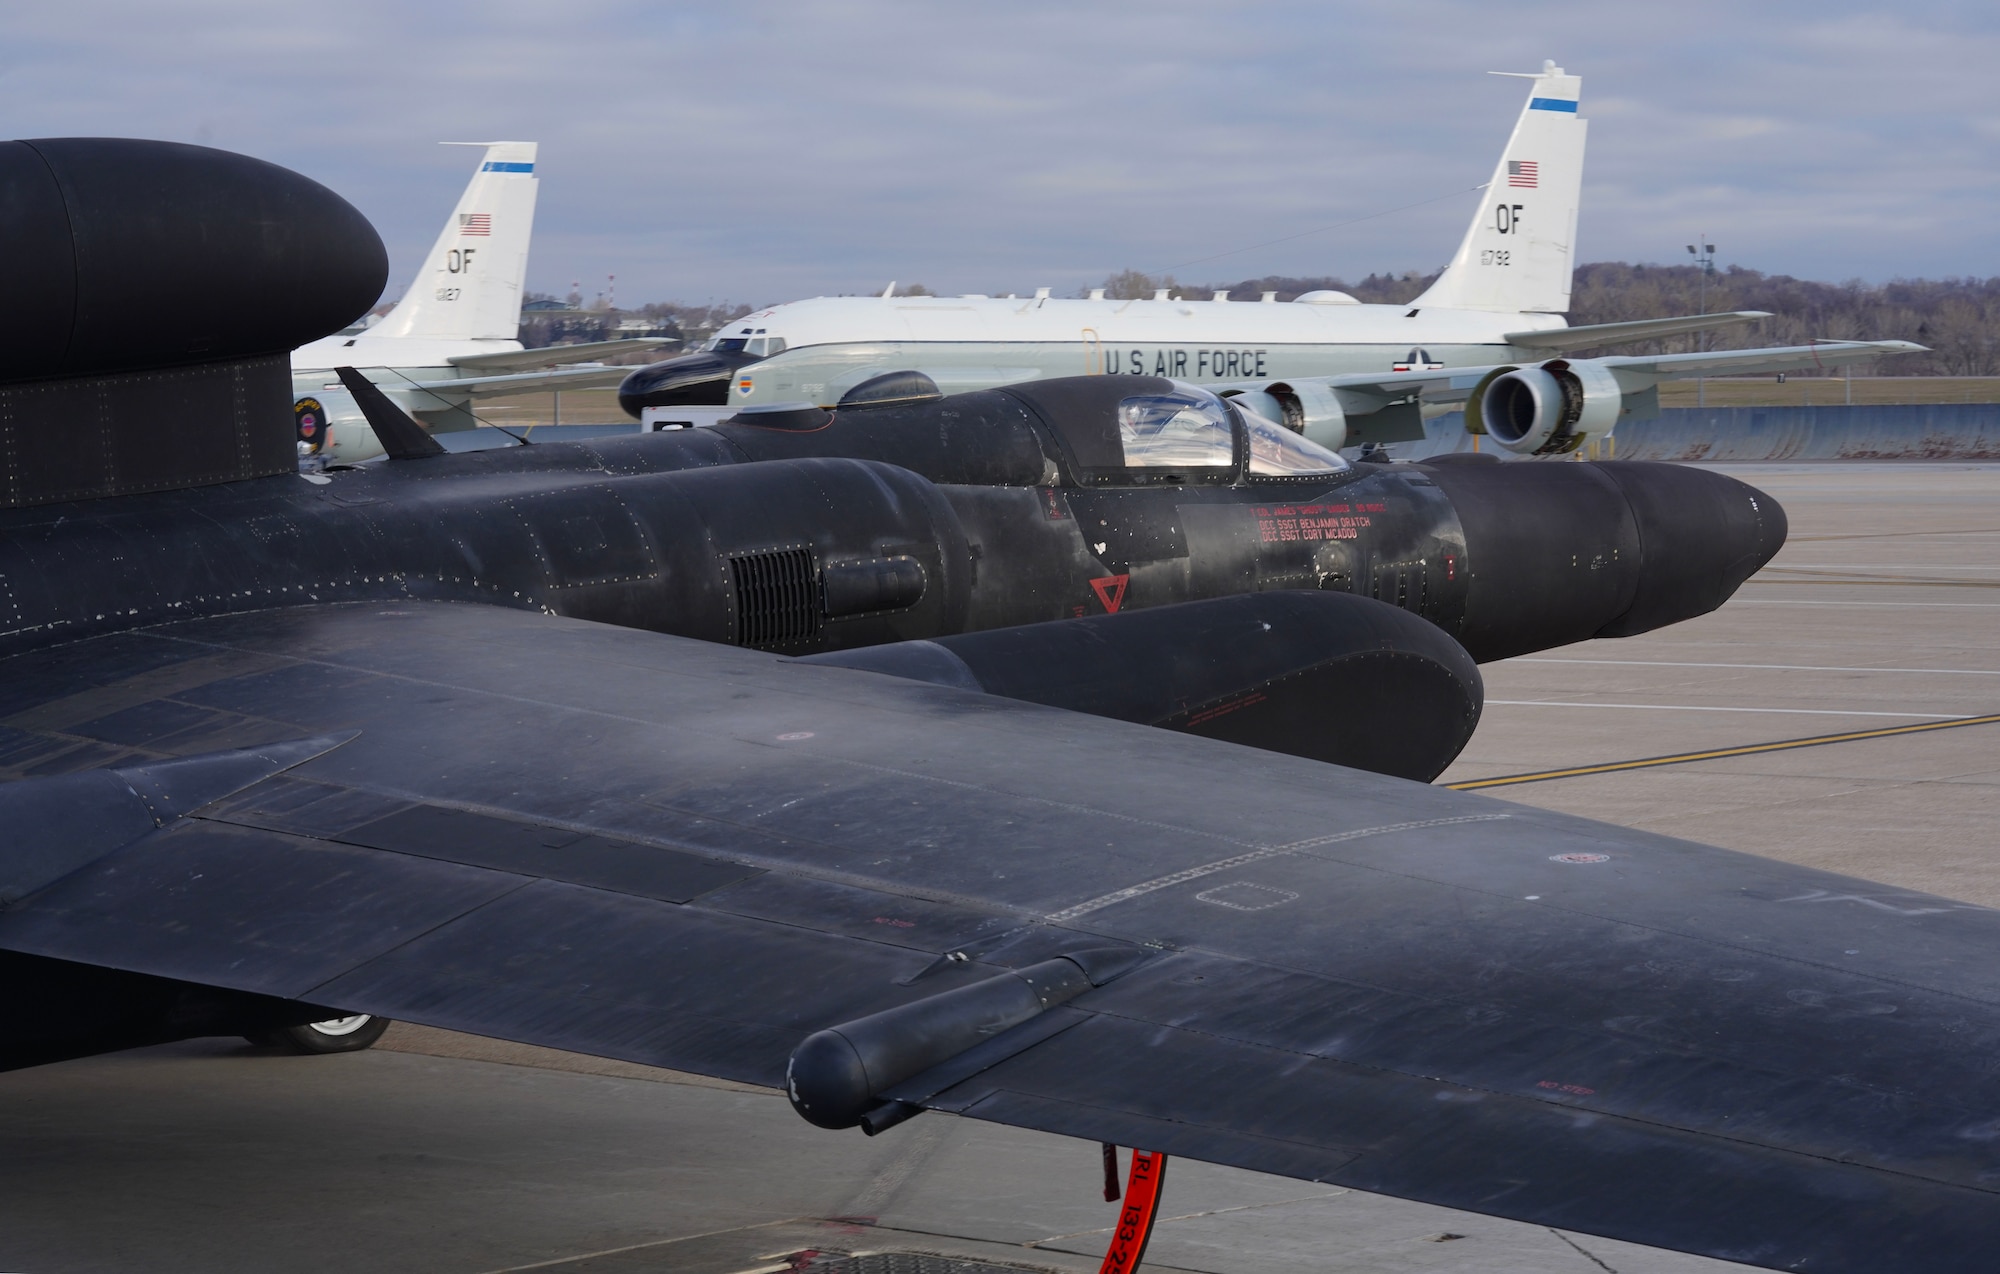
1186	429
760	345
1277	452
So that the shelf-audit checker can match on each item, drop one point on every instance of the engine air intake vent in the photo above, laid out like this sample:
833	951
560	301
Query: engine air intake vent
777	597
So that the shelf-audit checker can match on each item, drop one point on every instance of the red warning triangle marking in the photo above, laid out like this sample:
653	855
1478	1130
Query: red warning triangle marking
1111	591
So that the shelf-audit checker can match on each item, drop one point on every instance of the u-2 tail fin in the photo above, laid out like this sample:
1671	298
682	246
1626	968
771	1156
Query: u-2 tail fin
1517	254
470	285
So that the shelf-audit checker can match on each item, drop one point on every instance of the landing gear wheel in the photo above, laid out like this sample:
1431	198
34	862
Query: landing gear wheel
348	1034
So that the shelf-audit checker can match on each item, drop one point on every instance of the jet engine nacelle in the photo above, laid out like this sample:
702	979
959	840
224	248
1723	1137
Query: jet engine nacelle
1547	409
1304	408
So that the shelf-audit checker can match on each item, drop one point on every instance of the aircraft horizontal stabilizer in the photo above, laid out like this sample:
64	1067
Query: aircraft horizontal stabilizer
539	382
1561	338
515	360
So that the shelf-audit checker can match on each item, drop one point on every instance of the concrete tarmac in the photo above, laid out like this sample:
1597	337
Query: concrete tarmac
438	1152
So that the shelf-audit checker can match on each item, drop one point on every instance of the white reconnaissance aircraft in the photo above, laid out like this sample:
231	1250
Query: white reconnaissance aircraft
1488	334
451	341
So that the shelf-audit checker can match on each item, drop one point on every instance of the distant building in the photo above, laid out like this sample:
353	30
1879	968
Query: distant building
547	321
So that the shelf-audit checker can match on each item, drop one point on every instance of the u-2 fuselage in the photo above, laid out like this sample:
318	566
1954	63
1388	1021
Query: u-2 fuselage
931	518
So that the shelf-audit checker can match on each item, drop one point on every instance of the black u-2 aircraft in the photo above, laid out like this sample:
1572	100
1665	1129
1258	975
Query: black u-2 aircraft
591	746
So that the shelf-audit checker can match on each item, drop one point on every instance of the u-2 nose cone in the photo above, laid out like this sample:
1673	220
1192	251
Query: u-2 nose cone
1559	553
1701	534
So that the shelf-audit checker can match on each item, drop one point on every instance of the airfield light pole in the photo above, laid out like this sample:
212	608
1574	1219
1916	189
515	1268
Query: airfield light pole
1705	258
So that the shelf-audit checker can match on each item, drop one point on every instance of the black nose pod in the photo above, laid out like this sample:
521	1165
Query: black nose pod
1701	534
1560	553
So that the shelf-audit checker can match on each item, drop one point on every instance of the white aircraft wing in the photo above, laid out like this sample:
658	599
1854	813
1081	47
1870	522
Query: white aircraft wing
1561	338
556	355
541	382
1741	362
1357	391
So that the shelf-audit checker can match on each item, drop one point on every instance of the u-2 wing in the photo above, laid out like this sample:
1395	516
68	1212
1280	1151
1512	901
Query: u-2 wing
1300	969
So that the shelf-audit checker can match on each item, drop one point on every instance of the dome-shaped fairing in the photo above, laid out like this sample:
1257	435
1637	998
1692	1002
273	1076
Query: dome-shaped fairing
123	255
891	389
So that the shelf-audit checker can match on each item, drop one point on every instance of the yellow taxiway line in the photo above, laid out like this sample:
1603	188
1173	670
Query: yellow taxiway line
1782	745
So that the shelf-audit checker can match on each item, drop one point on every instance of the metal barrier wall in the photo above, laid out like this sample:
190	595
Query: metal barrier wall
1937	431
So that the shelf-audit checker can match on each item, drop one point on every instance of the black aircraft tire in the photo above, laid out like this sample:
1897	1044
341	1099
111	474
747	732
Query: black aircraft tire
348	1035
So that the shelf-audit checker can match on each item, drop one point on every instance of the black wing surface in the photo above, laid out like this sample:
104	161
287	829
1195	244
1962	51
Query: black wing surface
694	856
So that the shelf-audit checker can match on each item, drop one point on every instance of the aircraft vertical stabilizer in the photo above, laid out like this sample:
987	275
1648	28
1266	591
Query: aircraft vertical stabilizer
470	285
1518	252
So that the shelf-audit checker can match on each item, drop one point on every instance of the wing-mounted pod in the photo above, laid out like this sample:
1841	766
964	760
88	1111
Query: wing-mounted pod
1328	676
1304	407
841	1077
1548	409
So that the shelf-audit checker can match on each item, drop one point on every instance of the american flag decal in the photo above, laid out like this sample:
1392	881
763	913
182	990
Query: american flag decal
482	222
1522	172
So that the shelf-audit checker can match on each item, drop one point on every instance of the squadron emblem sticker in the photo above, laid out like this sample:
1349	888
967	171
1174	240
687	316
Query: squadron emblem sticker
311	420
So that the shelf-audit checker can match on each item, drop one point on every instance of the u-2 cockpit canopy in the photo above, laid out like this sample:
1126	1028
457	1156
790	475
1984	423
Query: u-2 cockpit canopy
1096	431
1143	430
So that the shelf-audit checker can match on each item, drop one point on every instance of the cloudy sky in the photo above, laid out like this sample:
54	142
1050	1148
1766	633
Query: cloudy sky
766	151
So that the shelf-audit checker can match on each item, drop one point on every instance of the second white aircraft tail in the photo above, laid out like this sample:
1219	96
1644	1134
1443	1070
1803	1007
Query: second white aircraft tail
1518	252
470	286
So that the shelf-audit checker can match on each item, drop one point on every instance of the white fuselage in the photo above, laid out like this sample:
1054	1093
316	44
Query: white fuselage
963	343
421	357
397	363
